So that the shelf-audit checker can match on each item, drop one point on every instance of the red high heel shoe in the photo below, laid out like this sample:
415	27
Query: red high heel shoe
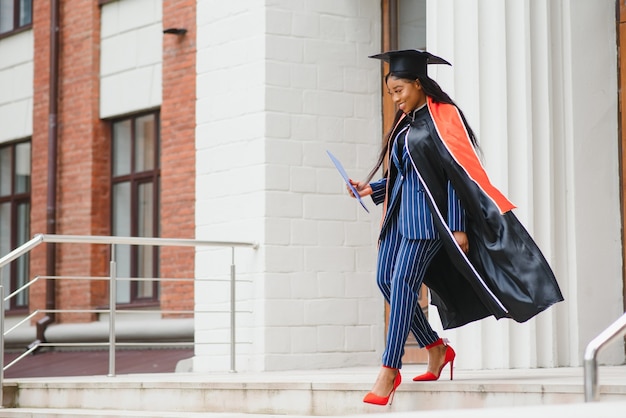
449	358
382	400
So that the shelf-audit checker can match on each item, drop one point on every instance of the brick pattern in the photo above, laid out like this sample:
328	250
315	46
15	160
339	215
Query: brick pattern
83	200
178	152
321	82
39	166
275	98
230	188
313	298
82	175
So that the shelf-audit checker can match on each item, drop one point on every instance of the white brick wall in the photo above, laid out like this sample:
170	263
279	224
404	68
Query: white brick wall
231	179
317	79
16	86
131	56
279	82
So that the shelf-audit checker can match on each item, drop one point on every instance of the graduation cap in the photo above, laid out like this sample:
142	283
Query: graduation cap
412	61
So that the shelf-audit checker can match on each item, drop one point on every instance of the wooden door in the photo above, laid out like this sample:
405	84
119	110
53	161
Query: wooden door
622	131
390	28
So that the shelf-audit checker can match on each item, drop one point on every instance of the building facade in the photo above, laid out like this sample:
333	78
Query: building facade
211	120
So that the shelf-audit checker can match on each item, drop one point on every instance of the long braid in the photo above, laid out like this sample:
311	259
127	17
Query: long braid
432	90
383	151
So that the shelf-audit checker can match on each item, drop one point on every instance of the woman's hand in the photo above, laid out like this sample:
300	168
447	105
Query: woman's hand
461	239
364	189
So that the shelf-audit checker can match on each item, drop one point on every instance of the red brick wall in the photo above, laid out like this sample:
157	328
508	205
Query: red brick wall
178	151
83	160
39	166
83	200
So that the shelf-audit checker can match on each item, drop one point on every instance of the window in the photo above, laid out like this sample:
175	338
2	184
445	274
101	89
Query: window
15	216
135	204
15	15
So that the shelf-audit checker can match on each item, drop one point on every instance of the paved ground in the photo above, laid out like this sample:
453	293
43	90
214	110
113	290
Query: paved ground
95	362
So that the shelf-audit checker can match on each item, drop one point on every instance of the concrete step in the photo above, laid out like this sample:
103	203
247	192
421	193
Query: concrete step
99	413
588	410
307	393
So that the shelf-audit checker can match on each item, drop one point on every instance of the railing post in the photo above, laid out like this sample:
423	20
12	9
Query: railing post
114	241
112	303
590	367
590	358
1	342
232	312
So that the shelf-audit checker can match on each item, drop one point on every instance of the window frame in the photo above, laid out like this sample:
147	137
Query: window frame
136	179
16	20
15	200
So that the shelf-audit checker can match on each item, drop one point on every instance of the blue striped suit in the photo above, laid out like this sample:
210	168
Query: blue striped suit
408	242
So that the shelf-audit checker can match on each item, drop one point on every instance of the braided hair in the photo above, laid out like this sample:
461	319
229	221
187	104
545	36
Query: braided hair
434	91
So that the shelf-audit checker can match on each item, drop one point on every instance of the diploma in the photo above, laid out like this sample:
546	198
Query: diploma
346	178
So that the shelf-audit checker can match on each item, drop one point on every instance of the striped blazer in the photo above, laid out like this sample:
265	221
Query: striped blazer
408	197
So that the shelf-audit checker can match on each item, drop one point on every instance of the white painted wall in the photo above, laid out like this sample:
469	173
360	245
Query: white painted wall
131	56
279	82
230	182
16	86
538	83
323	308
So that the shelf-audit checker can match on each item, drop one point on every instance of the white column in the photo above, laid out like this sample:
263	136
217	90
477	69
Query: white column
539	89
279	83
230	182
592	152
322	307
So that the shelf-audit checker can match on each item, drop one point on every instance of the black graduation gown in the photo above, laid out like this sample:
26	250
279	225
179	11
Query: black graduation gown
504	274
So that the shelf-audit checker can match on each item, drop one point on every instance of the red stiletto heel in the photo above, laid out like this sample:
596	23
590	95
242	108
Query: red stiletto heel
448	358
382	400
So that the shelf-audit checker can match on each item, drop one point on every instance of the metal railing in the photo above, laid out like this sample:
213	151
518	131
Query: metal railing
616	330
113	241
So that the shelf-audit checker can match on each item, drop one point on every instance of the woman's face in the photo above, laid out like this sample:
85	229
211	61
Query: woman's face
408	95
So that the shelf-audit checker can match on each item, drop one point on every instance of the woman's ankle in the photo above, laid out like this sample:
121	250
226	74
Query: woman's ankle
437	343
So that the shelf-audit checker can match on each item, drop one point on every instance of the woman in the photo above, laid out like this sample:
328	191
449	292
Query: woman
444	225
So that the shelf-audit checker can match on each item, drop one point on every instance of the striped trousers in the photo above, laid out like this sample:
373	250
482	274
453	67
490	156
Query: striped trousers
402	264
